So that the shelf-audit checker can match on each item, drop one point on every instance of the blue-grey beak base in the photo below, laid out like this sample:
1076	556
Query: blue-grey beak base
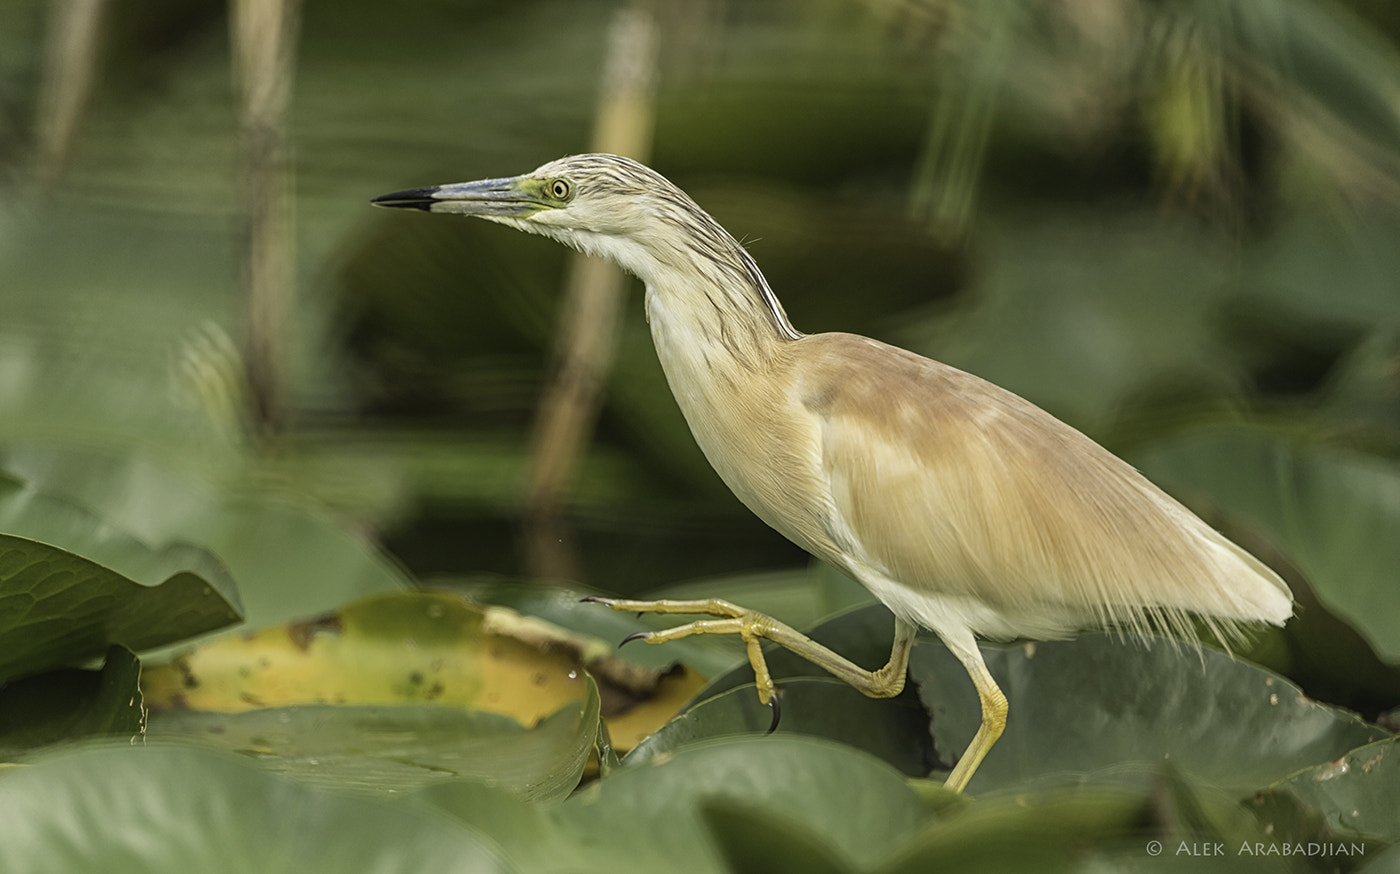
488	197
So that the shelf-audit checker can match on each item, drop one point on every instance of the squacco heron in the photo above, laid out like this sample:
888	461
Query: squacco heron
964	508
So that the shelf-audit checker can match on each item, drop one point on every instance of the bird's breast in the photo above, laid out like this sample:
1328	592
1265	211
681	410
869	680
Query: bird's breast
761	440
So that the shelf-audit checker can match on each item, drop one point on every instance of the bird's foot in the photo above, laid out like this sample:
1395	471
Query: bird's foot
753	627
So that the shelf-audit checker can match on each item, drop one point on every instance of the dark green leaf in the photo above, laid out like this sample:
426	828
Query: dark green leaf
167	809
291	559
1097	701
1387	862
70	586
1288	820
649	817
1359	793
1027	833
1165	824
117	707
894	729
70	703
754	840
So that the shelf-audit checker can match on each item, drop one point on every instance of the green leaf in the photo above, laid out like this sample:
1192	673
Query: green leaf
1097	702
752	839
70	703
1387	862
170	809
1289	820
894	729
1166	823
1358	793
860	805
653	817
71	586
1043	832
291	559
397	748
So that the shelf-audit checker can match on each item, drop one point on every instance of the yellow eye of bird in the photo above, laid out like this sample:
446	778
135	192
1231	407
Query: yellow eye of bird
560	189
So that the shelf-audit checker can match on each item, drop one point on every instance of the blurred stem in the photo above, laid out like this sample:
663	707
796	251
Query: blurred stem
586	342
70	56
948	178
264	41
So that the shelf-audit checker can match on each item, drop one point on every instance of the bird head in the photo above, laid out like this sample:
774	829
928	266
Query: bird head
601	204
616	208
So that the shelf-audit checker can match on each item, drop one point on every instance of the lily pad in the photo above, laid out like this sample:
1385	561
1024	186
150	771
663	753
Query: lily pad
656	816
1166	823
761	840
69	703
172	809
291	558
894	729
397	748
1078	706
1044	832
72	585
422	647
401	648
1359	793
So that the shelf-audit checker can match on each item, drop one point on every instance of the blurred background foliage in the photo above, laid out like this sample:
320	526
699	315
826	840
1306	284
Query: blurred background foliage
1171	223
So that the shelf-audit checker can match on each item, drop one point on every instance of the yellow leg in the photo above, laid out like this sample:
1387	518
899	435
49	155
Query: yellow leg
993	713
754	627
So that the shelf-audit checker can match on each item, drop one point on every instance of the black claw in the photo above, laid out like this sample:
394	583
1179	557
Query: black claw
591	599
631	637
777	713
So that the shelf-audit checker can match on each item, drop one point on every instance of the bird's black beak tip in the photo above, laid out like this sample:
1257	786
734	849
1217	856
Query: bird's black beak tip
413	198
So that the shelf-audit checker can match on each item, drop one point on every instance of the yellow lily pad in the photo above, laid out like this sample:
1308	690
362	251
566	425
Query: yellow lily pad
421	648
